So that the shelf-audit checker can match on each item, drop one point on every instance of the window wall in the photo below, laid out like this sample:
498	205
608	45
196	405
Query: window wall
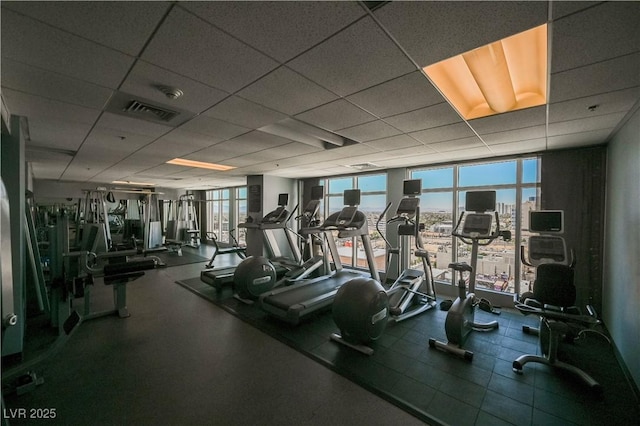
372	203
240	234
516	183
218	214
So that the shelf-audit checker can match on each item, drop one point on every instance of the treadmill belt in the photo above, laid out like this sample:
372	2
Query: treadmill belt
298	295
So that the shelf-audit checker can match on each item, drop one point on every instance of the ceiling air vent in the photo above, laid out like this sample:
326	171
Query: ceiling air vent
141	108
363	166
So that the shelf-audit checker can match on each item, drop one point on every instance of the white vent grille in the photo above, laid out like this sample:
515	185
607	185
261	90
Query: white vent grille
140	108
363	166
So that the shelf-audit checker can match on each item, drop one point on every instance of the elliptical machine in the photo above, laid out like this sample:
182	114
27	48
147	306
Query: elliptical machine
256	275
362	307
477	230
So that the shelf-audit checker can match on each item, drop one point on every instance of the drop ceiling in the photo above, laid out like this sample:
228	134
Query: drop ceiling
348	68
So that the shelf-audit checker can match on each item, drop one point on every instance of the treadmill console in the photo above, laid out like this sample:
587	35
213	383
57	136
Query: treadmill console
276	216
346	216
408	207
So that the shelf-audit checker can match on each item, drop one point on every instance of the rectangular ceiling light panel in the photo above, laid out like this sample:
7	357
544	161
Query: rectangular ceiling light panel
199	164
502	76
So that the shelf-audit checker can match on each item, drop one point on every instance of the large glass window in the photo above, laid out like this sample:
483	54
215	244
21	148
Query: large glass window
240	234
516	183
217	202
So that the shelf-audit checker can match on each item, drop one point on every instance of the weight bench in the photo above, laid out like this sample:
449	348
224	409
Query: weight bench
119	271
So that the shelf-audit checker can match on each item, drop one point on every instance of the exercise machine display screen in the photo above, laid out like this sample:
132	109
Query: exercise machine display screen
317	192
546	221
480	201
412	187
351	197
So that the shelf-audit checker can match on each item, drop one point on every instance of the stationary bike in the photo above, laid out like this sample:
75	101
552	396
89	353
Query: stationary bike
362	307
476	231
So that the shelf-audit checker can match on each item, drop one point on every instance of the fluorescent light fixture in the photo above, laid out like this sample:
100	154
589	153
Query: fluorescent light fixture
200	164
303	132
128	182
506	75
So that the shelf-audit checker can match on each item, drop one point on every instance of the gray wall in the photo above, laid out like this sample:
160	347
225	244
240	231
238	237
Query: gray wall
621	288
270	187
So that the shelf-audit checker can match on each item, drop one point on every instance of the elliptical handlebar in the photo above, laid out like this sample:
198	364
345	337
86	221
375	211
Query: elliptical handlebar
386	209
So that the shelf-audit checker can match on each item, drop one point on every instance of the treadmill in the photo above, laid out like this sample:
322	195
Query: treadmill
276	219
293	303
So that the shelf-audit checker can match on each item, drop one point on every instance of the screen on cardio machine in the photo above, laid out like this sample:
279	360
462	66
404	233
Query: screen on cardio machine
283	199
412	187
546	221
317	192
480	201
351	197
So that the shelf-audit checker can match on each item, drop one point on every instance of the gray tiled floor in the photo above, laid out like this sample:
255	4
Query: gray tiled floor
180	360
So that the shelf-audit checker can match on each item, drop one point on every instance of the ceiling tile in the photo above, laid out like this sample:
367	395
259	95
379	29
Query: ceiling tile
280	29
187	140
132	125
57	133
608	121
356	58
245	144
510	120
51	49
594	35
287	91
595	79
213	127
336	115
37	108
524	134
189	46
435	30
606	103
369	131
520	147
244	113
39	82
425	118
144	81
459	144
394	142
469	154
564	8
413	160
578	139
444	133
400	95
124	26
